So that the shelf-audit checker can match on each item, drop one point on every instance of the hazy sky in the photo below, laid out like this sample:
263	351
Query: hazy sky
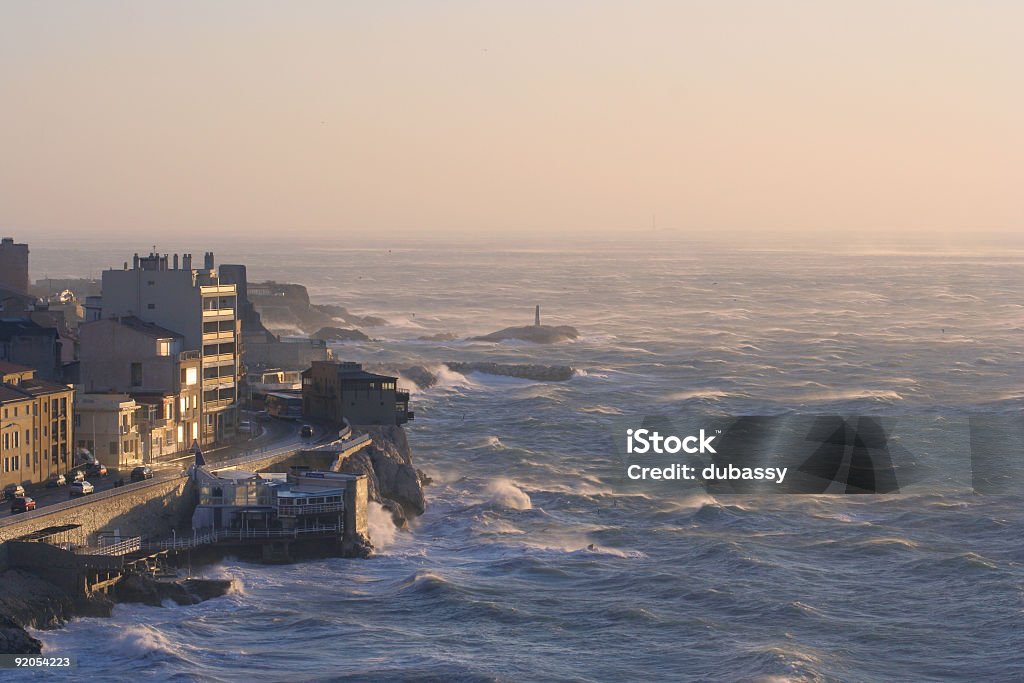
166	120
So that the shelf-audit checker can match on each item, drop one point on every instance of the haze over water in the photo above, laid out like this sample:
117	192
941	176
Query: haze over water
498	580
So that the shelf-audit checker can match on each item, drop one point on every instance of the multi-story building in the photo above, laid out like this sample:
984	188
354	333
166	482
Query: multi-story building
107	426
149	363
13	266
25	342
36	426
341	392
193	303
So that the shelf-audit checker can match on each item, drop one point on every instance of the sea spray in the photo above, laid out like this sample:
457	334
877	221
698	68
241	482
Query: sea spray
382	526
505	493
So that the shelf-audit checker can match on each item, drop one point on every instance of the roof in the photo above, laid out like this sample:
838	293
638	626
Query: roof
21	327
150	329
9	392
350	371
7	367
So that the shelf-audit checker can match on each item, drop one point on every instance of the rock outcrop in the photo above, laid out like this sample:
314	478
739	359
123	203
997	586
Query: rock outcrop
543	373
538	334
139	588
416	374
27	601
393	480
339	334
439	337
287	307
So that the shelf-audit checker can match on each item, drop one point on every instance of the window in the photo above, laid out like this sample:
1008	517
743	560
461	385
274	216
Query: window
136	374
191	376
163	347
113	448
151	306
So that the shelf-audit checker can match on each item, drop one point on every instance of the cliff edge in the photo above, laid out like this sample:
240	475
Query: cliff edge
393	480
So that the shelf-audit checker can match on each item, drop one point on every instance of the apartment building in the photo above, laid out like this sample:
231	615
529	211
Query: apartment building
193	303
148	362
36	426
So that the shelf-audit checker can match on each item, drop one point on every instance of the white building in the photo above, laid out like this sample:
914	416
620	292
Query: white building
193	303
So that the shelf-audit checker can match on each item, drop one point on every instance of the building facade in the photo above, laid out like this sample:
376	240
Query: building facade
195	304
343	392
36	426
148	362
107	426
13	266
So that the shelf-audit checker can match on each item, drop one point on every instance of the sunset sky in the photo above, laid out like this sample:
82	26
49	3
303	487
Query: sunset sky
523	119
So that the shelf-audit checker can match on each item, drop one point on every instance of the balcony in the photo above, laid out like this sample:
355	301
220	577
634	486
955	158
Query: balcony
299	510
188	355
219	314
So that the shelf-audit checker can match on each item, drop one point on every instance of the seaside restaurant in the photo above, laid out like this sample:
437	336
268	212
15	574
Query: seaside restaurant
302	501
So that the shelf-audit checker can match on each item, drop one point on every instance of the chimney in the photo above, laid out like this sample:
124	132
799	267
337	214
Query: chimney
186	261
135	261
536	316
208	264
175	261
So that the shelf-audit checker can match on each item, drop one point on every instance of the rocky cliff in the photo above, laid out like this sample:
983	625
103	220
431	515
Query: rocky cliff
393	480
27	601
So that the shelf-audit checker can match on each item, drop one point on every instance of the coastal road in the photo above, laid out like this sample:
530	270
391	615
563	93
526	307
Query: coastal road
277	437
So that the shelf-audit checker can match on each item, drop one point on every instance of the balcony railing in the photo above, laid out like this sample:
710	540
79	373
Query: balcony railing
319	509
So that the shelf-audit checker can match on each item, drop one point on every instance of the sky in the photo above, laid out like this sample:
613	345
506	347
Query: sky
515	120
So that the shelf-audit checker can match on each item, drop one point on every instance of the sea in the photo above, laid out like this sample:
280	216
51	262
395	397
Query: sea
537	560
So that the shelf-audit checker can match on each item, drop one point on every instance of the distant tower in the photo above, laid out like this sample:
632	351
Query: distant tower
13	266
536	316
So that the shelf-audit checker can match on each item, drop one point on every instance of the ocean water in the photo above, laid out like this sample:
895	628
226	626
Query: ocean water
534	561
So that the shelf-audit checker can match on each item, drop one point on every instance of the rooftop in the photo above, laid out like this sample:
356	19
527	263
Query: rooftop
20	327
8	368
151	329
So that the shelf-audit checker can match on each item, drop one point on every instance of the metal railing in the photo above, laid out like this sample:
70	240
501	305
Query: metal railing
218	535
126	546
316	509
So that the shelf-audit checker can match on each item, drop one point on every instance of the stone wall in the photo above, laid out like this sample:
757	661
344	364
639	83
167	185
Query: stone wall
150	510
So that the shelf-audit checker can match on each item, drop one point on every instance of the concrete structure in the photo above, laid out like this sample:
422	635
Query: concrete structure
342	392
147	361
36	426
150	509
194	303
13	266
26	342
107	426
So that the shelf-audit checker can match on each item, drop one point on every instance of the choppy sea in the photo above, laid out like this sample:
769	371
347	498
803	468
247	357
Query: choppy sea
534	561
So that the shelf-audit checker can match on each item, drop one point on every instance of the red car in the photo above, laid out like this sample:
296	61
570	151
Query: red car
22	505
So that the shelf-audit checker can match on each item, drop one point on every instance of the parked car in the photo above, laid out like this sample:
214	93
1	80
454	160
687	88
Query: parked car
96	469
142	473
23	504
80	488
56	480
307	431
14	491
79	475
